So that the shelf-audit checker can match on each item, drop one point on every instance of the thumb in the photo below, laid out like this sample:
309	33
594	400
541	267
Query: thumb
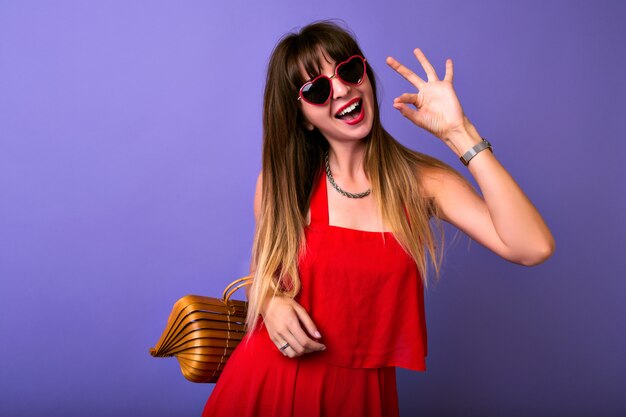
306	320
405	110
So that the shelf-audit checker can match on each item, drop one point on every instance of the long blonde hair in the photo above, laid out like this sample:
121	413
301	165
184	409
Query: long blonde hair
292	155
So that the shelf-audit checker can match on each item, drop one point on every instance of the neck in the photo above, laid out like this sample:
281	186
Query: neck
346	161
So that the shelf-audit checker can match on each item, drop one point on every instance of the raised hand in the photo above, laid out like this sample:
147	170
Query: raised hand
437	108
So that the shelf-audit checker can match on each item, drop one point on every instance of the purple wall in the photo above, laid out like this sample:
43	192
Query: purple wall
130	137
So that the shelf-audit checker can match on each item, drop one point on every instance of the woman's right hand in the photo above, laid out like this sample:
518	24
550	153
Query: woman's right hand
282	317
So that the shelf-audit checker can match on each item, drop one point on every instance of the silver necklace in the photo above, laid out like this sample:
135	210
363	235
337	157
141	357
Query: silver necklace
332	181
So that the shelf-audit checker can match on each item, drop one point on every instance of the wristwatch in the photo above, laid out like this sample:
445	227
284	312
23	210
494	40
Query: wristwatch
467	156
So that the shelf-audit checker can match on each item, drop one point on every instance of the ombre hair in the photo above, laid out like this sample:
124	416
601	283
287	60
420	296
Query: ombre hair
292	155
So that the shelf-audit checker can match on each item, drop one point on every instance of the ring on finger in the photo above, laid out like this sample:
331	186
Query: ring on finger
285	346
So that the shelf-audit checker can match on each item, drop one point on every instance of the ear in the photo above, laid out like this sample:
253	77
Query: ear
305	121
307	125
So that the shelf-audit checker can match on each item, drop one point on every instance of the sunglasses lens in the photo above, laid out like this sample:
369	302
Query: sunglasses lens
317	92
352	71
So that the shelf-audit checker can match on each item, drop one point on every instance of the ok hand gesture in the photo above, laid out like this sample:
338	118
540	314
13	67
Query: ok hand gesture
437	108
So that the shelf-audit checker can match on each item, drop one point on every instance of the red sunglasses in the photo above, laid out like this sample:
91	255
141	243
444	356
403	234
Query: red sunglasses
319	90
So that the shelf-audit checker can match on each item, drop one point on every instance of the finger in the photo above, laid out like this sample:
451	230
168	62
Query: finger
449	70
406	111
304	340
406	73
294	344
311	328
430	71
407	99
279	344
306	320
308	344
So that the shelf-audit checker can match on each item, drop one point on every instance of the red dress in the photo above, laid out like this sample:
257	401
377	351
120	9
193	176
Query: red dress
365	295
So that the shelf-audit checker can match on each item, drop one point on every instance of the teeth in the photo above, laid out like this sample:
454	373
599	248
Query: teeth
349	108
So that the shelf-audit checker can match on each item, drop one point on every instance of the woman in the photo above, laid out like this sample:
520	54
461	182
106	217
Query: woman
343	229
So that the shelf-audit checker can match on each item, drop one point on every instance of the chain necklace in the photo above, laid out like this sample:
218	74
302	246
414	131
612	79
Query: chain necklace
332	181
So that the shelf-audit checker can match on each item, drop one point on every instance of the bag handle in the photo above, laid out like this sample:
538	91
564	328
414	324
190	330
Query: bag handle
228	291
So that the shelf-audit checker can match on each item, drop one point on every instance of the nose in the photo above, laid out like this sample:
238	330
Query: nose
339	88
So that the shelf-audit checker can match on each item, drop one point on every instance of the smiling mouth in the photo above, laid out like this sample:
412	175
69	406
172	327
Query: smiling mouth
351	111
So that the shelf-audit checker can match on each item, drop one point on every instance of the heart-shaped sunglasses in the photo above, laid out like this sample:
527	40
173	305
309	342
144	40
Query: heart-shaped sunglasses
319	90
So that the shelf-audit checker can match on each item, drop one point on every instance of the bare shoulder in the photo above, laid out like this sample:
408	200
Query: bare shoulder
448	189
436	180
257	196
431	179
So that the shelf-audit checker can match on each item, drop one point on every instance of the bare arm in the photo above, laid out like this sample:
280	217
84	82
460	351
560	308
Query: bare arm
283	320
257	212
505	221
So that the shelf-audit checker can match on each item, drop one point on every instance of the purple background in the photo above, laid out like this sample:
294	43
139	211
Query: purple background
130	138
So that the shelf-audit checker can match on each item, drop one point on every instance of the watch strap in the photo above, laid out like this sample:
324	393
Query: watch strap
474	150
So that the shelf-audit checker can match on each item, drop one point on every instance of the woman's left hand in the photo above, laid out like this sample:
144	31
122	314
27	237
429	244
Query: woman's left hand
437	108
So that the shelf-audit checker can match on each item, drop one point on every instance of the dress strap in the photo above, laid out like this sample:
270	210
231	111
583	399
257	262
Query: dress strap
319	200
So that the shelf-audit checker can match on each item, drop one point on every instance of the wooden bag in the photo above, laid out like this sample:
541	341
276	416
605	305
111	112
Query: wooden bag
202	332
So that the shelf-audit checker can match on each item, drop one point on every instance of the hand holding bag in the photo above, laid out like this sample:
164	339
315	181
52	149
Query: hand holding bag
202	332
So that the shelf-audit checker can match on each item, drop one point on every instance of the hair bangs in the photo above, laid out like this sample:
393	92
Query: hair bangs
310	48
